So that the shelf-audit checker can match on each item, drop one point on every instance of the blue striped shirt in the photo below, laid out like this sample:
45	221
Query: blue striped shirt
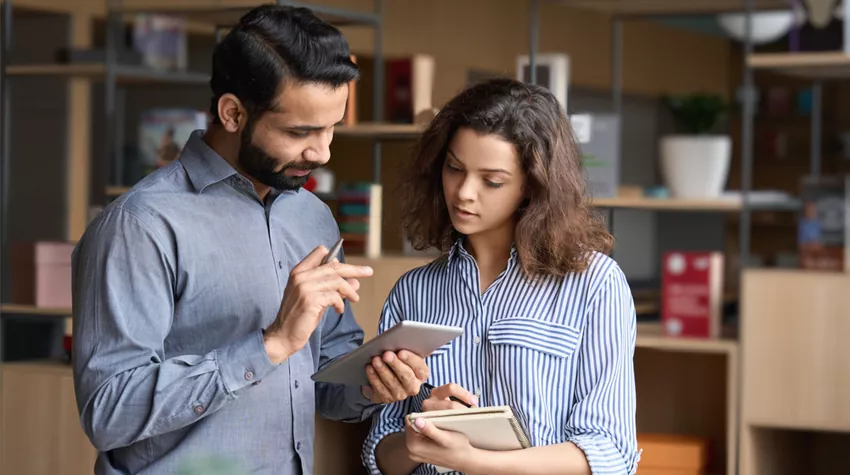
557	350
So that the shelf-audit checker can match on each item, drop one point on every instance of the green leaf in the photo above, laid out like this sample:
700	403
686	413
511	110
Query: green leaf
696	113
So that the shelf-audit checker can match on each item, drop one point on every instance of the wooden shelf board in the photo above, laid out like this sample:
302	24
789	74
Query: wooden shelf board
33	310
49	366
674	204
226	13
382	131
649	336
811	65
669	7
124	74
116	191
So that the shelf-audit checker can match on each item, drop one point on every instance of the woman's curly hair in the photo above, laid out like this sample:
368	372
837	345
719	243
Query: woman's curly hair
556	232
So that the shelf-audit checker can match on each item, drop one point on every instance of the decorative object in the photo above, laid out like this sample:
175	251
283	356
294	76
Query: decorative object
768	26
553	73
695	162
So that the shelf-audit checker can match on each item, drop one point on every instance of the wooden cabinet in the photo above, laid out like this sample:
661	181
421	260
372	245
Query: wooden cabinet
41	431
796	378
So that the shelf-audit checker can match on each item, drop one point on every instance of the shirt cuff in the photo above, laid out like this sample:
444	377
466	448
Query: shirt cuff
602	456
244	362
370	461
360	403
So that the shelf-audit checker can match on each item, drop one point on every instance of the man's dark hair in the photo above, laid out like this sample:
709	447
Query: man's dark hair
272	44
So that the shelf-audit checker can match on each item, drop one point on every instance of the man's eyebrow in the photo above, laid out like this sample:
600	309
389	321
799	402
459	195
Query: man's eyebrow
310	128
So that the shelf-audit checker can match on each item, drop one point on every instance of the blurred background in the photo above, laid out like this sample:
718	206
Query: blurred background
716	145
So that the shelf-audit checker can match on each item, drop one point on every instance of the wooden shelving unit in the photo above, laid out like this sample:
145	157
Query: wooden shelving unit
809	65
124	74
673	204
14	309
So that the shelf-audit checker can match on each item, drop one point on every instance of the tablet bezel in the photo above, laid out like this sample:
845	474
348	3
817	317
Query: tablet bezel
418	337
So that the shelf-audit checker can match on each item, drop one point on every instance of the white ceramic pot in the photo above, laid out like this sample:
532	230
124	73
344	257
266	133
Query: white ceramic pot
695	166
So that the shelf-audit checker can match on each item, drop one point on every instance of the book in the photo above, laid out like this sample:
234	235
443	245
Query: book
487	428
692	294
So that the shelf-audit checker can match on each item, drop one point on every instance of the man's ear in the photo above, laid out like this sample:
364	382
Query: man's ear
232	113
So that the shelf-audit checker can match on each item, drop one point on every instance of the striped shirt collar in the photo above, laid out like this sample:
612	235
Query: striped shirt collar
458	251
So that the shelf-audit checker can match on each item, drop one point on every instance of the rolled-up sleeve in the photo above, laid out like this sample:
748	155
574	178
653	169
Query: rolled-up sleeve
390	418
602	423
123	299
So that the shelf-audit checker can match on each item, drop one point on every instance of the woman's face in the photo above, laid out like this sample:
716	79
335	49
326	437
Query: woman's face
483	183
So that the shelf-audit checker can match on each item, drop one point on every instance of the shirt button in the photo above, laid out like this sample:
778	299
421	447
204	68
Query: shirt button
477	340
280	264
199	410
296	384
249	375
478	392
298	446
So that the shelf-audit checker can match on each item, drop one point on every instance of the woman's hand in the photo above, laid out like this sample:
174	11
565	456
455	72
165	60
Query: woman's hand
440	398
428	444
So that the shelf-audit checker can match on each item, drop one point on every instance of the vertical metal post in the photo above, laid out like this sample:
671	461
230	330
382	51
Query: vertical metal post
378	89
617	65
5	149
817	112
747	139
846	20
113	21
533	40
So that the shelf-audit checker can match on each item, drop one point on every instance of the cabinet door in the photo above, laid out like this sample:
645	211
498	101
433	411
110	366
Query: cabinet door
41	430
796	351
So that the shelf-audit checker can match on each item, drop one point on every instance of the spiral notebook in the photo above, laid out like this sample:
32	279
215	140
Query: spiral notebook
488	428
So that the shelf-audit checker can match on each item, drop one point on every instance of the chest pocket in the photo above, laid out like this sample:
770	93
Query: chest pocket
552	338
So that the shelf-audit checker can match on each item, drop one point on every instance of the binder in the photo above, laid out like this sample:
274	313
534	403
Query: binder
487	428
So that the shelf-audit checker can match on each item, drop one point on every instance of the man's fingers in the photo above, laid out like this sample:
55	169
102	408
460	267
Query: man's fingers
389	379
449	390
416	363
334	300
354	283
312	260
404	373
377	385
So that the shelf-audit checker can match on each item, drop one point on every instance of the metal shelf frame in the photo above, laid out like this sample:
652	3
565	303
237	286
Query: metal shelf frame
224	18
622	10
114	75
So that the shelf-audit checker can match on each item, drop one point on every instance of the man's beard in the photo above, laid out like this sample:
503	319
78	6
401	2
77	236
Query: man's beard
258	164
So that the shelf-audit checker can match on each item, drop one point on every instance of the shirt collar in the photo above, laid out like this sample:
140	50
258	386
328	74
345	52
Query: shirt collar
204	166
457	251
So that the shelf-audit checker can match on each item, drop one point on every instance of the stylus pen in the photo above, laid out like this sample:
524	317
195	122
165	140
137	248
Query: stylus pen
430	387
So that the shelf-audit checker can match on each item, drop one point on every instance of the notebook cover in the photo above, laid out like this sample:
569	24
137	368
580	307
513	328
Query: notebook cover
488	428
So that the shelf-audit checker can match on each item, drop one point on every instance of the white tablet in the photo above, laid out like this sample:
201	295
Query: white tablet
417	337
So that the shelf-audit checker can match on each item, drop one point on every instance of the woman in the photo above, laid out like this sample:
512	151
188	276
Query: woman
548	318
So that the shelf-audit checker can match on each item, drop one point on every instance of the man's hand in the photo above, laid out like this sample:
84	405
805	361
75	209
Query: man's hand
395	377
440	398
310	290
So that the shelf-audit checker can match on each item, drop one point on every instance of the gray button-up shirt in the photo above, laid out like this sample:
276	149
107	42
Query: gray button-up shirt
173	284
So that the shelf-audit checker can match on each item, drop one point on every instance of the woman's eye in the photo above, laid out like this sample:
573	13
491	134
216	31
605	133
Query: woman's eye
492	184
297	134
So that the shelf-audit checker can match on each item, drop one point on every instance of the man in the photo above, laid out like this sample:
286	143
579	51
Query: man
198	320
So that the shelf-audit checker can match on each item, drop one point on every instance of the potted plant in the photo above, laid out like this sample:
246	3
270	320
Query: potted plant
695	161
